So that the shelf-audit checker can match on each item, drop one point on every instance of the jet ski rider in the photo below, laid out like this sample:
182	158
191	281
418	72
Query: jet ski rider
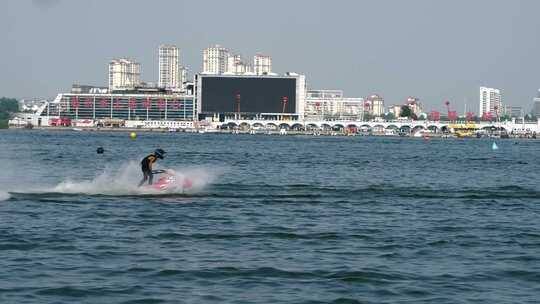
146	165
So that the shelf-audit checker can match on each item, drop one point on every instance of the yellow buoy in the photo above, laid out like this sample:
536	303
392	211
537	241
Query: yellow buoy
133	135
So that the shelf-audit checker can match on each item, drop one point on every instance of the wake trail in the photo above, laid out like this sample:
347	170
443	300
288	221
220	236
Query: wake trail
125	182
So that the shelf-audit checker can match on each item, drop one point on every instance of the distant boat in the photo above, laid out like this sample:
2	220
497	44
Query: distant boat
77	129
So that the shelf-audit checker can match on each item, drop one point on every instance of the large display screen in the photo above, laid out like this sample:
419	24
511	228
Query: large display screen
250	94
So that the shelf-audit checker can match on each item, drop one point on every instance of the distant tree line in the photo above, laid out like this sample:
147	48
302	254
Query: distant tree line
8	106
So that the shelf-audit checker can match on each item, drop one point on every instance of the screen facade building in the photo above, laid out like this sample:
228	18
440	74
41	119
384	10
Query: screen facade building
248	96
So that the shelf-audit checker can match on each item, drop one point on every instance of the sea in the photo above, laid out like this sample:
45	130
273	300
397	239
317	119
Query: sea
268	219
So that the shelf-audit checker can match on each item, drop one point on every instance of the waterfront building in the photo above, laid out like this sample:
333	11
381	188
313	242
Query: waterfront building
512	111
414	104
331	105
395	110
124	74
215	60
249	96
182	77
169	67
374	105
490	101
139	104
262	64
235	65
536	105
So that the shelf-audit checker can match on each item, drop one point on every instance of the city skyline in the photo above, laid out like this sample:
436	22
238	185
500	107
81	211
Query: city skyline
430	55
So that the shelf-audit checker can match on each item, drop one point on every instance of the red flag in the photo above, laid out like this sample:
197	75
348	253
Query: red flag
75	102
132	104
104	103
88	103
117	104
147	103
486	116
452	115
161	104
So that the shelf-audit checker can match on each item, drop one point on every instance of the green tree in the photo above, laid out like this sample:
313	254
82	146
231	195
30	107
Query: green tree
8	106
406	112
368	117
389	116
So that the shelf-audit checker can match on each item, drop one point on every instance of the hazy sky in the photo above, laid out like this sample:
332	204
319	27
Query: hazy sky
435	50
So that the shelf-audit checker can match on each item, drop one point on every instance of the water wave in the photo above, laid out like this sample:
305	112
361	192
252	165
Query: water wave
4	196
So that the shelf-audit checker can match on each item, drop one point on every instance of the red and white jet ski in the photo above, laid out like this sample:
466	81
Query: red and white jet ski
169	181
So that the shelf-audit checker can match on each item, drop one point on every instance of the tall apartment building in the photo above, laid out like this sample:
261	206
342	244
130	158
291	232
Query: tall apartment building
262	64
236	65
215	60
490	101
536	105
169	67
124	74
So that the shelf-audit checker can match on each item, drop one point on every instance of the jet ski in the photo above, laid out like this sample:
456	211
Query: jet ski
169	181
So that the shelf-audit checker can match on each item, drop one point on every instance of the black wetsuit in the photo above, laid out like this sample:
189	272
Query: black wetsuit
146	167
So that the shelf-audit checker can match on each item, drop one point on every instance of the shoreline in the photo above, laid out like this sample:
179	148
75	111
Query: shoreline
260	132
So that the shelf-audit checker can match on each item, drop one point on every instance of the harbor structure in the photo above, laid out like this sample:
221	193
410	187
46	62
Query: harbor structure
215	60
94	107
262	64
490	102
169	67
124	74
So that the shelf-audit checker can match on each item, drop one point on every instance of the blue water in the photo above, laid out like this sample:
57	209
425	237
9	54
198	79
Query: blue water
272	220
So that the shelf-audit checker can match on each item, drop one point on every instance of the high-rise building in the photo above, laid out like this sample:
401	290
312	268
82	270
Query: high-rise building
375	105
490	101
536	105
236	65
169	61
124	74
182	76
262	64
215	60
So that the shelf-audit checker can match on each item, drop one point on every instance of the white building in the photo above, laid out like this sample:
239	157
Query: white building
262	64
124	74
375	105
331	105
536	105
236	65
183	77
490	101
169	71
215	60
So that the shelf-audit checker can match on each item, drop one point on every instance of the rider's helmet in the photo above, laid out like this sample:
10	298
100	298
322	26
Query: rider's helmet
159	153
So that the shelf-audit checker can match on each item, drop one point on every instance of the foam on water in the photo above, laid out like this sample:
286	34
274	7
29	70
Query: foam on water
124	181
4	196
